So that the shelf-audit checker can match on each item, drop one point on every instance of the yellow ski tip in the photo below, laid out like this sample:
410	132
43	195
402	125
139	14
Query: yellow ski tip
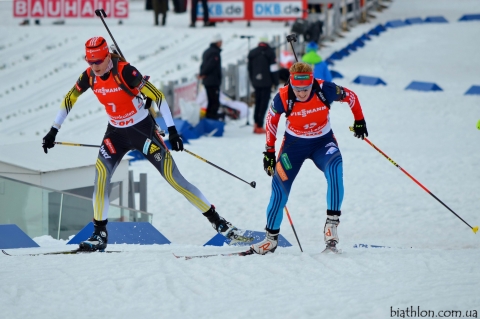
475	229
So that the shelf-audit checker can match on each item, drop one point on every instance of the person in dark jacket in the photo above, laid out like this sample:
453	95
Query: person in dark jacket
211	74
193	14
263	73
160	7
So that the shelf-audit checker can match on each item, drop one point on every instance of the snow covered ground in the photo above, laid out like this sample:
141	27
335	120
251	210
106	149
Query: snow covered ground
432	264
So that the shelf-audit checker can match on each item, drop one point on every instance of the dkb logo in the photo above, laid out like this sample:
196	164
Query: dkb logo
232	9
277	9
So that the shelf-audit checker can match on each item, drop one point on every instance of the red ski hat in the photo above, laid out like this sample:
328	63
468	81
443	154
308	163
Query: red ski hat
96	49
301	79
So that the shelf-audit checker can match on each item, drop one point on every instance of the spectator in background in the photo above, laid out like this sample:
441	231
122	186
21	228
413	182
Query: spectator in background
160	7
206	22
211	75
263	73
320	67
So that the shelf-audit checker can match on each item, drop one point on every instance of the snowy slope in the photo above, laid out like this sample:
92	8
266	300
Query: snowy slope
433	260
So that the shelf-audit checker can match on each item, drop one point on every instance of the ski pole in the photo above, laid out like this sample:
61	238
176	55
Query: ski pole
474	229
293	228
101	14
76	144
253	184
289	219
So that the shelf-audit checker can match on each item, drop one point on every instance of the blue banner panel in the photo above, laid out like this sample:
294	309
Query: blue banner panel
219	240
423	86
140	233
11	236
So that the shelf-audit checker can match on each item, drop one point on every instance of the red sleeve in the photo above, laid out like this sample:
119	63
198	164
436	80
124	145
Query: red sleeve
352	100
271	125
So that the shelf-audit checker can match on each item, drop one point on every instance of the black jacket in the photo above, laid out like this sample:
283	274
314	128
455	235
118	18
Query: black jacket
260	59
211	66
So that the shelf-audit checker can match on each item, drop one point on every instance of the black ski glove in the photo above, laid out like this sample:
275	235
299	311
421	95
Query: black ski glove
49	140
269	162
175	139
360	129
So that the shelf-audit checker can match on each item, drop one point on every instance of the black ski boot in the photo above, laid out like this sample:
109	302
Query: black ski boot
225	228
99	238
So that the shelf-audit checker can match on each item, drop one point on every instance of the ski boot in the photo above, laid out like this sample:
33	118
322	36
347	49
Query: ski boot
330	231
225	228
268	245
99	238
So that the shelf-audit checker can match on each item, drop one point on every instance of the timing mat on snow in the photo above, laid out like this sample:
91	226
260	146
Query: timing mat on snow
140	233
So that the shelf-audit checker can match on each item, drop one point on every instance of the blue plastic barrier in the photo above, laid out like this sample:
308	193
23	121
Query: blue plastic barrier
11	237
395	24
335	56
377	30
368	80
351	47
475	89
365	37
184	128
414	20
210	127
219	240
470	17
140	233
359	43
423	86
373	32
344	52
137	156
436	19
336	74
329	61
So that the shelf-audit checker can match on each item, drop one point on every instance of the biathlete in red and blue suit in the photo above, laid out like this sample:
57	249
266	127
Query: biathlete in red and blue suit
306	103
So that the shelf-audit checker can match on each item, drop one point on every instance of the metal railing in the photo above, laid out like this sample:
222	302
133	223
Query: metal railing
40	211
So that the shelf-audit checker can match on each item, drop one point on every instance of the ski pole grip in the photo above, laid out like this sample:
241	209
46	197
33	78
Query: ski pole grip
100	13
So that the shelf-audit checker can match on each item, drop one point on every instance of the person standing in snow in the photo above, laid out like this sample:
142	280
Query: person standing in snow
211	75
160	7
306	103
263	73
119	86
